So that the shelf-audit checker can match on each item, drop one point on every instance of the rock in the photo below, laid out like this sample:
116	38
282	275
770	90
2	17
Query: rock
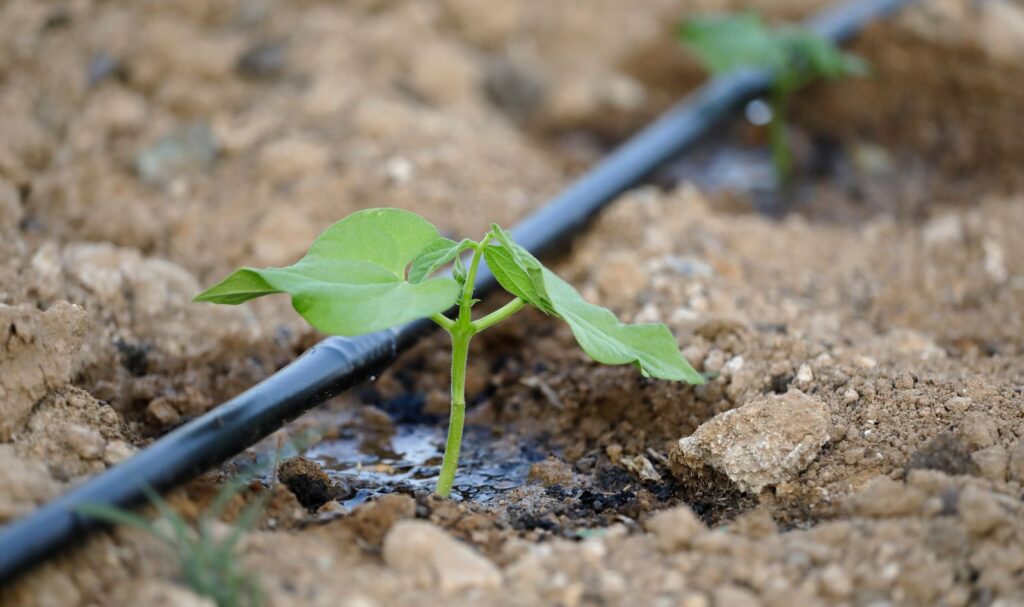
756	524
641	467
834	582
117	451
1002	30
765	442
310	484
372	520
420	549
943	231
87	442
69	429
551	471
1015	466
992	462
977	430
38	353
884	497
983	511
190	148
675	528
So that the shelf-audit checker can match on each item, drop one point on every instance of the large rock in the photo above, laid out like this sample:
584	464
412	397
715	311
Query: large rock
38	353
762	443
419	549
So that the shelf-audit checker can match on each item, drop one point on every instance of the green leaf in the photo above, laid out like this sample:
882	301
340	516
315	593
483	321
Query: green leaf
823	57
517	271
651	347
728	42
434	255
352	280
117	516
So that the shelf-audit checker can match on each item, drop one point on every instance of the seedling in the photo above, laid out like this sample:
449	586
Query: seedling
795	55
373	270
209	563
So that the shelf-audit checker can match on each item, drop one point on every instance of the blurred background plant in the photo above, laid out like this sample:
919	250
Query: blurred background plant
207	554
795	55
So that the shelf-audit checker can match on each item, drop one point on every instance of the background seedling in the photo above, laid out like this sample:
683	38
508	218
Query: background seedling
372	270
208	560
796	56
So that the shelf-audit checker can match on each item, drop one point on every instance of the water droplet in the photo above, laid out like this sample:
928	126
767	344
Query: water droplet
758	112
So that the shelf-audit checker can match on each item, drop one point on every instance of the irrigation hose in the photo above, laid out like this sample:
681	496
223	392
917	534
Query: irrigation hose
336	363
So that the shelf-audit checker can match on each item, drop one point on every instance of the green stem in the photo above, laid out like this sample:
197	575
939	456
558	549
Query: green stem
460	354
462	330
443	321
498	315
778	139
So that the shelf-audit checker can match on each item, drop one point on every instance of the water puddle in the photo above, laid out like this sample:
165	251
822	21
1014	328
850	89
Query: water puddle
408	462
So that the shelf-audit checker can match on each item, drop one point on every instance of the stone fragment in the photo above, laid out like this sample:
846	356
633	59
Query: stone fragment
992	462
310	484
421	550
674	528
762	443
984	511
977	430
38	353
191	148
1015	466
884	497
550	472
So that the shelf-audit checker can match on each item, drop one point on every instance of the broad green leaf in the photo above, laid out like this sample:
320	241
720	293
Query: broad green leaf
823	57
385	237
649	346
517	271
352	280
728	42
434	255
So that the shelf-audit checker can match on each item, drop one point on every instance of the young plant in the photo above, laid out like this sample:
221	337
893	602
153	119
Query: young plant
795	55
372	270
209	563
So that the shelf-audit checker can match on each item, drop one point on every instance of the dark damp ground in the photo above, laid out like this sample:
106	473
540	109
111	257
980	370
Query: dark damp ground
409	461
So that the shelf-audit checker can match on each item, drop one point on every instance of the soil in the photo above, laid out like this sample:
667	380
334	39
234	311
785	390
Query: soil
861	438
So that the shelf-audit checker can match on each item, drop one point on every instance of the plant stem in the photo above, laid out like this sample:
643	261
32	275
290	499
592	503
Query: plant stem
498	315
443	321
460	353
462	330
778	139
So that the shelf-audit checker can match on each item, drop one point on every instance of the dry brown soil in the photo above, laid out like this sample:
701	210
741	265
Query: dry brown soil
860	441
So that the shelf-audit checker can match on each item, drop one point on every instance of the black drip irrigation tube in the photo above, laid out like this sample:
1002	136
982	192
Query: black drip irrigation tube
337	363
